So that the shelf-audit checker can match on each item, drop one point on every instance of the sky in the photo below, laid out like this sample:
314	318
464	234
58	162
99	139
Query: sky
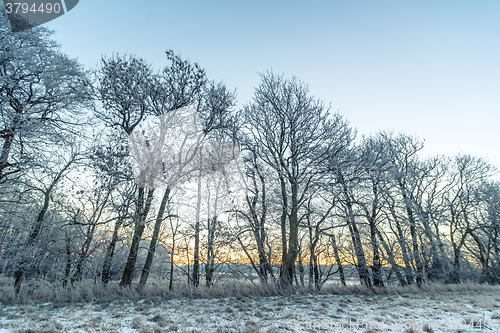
425	68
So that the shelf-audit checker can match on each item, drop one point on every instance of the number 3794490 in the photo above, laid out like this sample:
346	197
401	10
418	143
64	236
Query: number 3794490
22	7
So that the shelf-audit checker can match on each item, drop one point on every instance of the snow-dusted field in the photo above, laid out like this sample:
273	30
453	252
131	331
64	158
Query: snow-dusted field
417	312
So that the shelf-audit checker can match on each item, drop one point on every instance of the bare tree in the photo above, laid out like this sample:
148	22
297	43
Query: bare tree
162	152
338	261
215	106
375	167
46	191
129	92
121	206
466	174
314	220
487	229
169	150
294	134
42	95
96	202
404	159
255	215
109	160
125	88
346	173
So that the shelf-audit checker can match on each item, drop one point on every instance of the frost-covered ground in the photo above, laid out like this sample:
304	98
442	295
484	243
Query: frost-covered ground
417	312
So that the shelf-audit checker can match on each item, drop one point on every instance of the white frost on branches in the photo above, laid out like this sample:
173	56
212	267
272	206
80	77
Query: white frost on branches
170	148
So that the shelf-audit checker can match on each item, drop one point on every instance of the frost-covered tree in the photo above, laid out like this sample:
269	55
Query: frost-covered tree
54	174
43	94
168	150
295	134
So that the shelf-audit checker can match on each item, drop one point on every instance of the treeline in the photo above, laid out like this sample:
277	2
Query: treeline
122	172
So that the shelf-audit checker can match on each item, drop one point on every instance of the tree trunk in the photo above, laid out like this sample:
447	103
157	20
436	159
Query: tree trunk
436	270
485	272
196	255
110	251
391	259
337	259
7	144
210	265
170	283
283	229
416	251
413	233
68	262
402	244
83	254
140	223
311	257
154	238
314	273
288	270
455	276
378	280
301	270
364	274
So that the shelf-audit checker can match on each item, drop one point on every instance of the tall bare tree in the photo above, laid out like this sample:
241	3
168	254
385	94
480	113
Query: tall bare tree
404	159
295	134
125	88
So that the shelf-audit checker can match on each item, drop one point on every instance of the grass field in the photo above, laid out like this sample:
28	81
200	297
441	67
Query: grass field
434	308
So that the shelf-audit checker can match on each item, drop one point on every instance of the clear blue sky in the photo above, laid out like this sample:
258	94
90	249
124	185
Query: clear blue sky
429	68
